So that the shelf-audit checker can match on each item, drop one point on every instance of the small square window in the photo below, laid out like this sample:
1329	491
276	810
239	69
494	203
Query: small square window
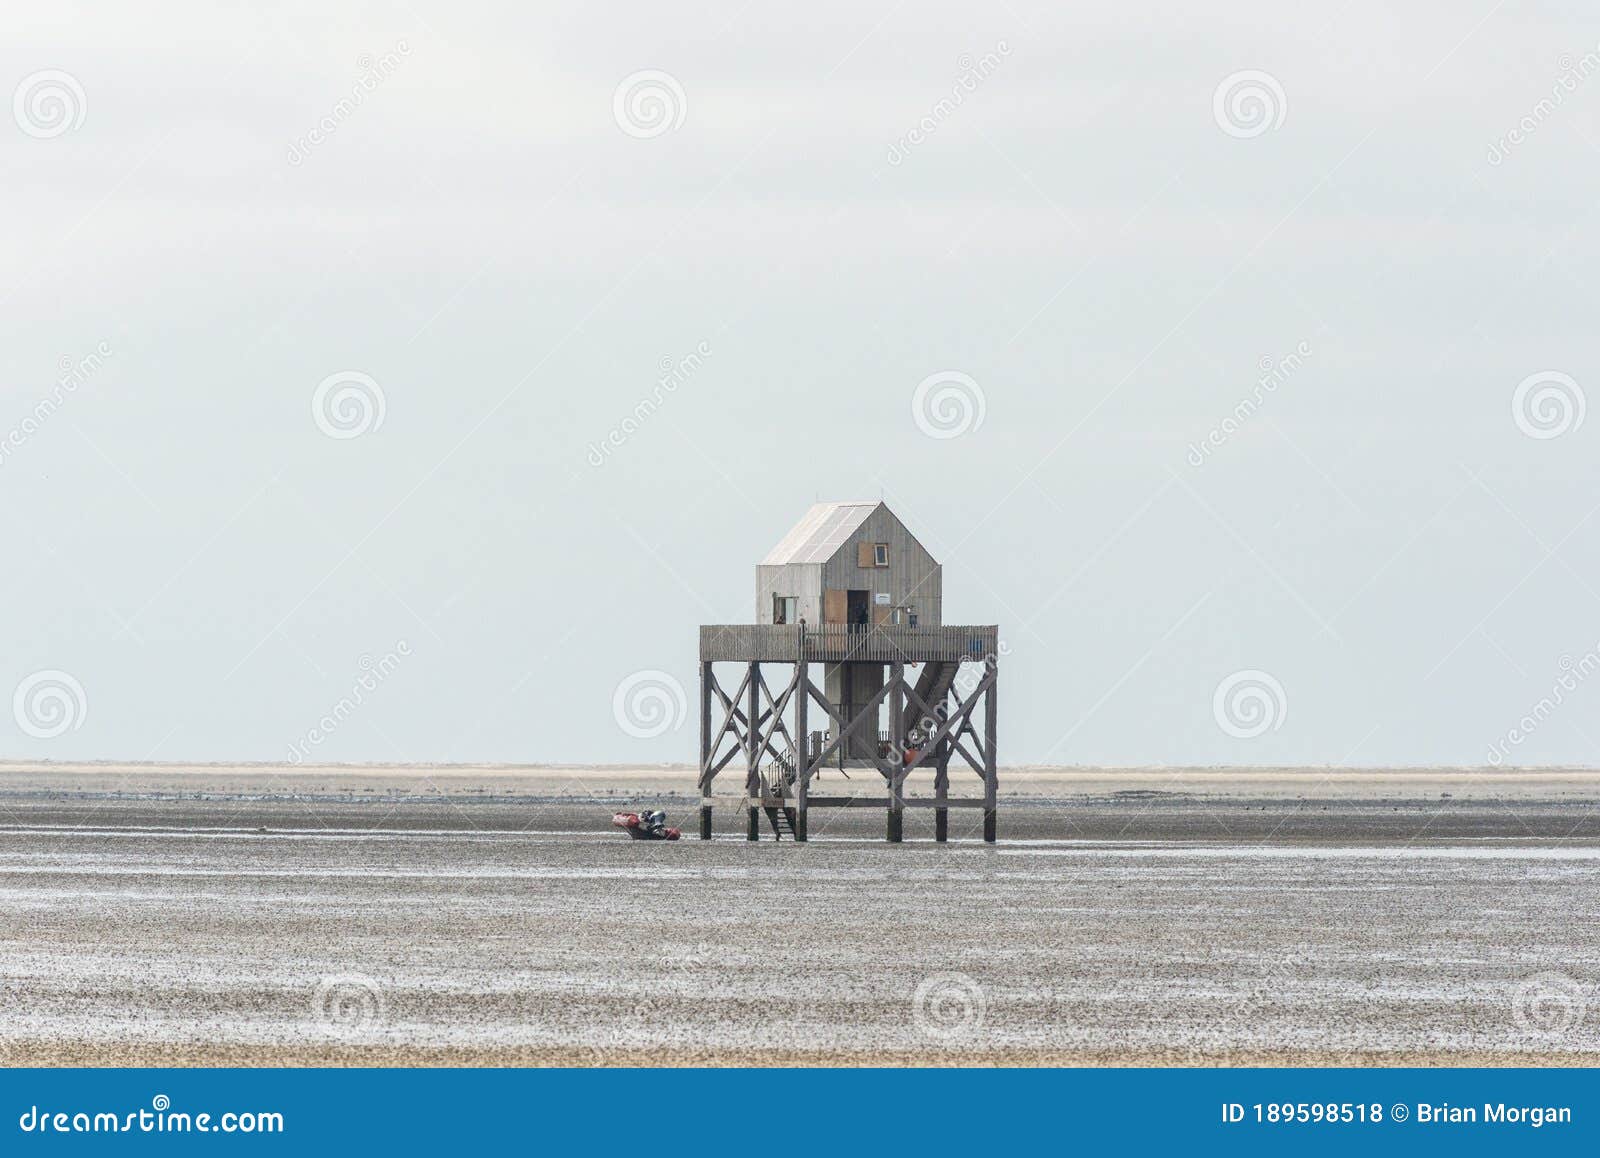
880	554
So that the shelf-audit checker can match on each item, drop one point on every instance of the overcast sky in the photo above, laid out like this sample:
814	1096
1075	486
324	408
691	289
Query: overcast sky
350	300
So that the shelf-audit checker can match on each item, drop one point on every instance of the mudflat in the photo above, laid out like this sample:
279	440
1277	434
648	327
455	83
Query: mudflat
260	915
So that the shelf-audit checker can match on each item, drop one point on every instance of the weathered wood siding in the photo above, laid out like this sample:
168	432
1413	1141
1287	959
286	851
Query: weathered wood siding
802	580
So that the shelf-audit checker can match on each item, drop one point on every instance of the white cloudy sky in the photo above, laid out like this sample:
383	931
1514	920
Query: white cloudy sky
1081	236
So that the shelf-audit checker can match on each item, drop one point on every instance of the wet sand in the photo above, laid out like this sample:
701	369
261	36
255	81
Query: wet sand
469	781
274	916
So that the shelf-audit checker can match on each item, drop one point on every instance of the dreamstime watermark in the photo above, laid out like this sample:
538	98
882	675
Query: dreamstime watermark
1273	375
921	732
160	1118
949	1006
974	71
649	103
74	373
1201	1027
374	70
1249	103
348	1003
649	703
49	703
1249	703
371	675
625	1023
1548	404
948	404
1266	988
1548	1004
1573	73
348	404
970	675
673	375
1573	673
49	103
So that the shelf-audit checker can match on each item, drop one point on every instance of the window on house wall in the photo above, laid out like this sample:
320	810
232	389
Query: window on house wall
785	609
872	554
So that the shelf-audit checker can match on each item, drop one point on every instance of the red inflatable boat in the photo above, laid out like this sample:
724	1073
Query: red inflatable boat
637	829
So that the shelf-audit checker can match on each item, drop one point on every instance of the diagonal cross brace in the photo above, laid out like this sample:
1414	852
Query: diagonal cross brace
869	711
963	712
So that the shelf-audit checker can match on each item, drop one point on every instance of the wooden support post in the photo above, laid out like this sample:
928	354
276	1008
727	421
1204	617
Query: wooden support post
991	767
752	776
706	775
897	736
941	783
802	738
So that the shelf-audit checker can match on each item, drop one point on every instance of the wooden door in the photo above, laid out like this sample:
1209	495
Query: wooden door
834	606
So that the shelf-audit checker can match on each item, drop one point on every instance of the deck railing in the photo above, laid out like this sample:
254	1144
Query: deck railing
836	642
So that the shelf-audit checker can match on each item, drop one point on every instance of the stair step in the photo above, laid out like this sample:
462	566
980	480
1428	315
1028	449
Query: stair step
779	818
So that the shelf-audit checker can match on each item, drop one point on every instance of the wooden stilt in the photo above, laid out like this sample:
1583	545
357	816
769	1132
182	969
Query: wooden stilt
707	678
752	777
941	773
991	768
802	738
897	733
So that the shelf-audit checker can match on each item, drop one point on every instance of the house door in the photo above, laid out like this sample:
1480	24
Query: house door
859	607
834	606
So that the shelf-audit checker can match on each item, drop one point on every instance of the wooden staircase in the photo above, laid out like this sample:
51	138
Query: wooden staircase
933	686
775	781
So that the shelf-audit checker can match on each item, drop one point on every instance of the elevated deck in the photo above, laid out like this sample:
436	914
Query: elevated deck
837	643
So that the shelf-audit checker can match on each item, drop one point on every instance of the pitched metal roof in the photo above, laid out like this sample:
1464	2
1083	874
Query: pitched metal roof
821	531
